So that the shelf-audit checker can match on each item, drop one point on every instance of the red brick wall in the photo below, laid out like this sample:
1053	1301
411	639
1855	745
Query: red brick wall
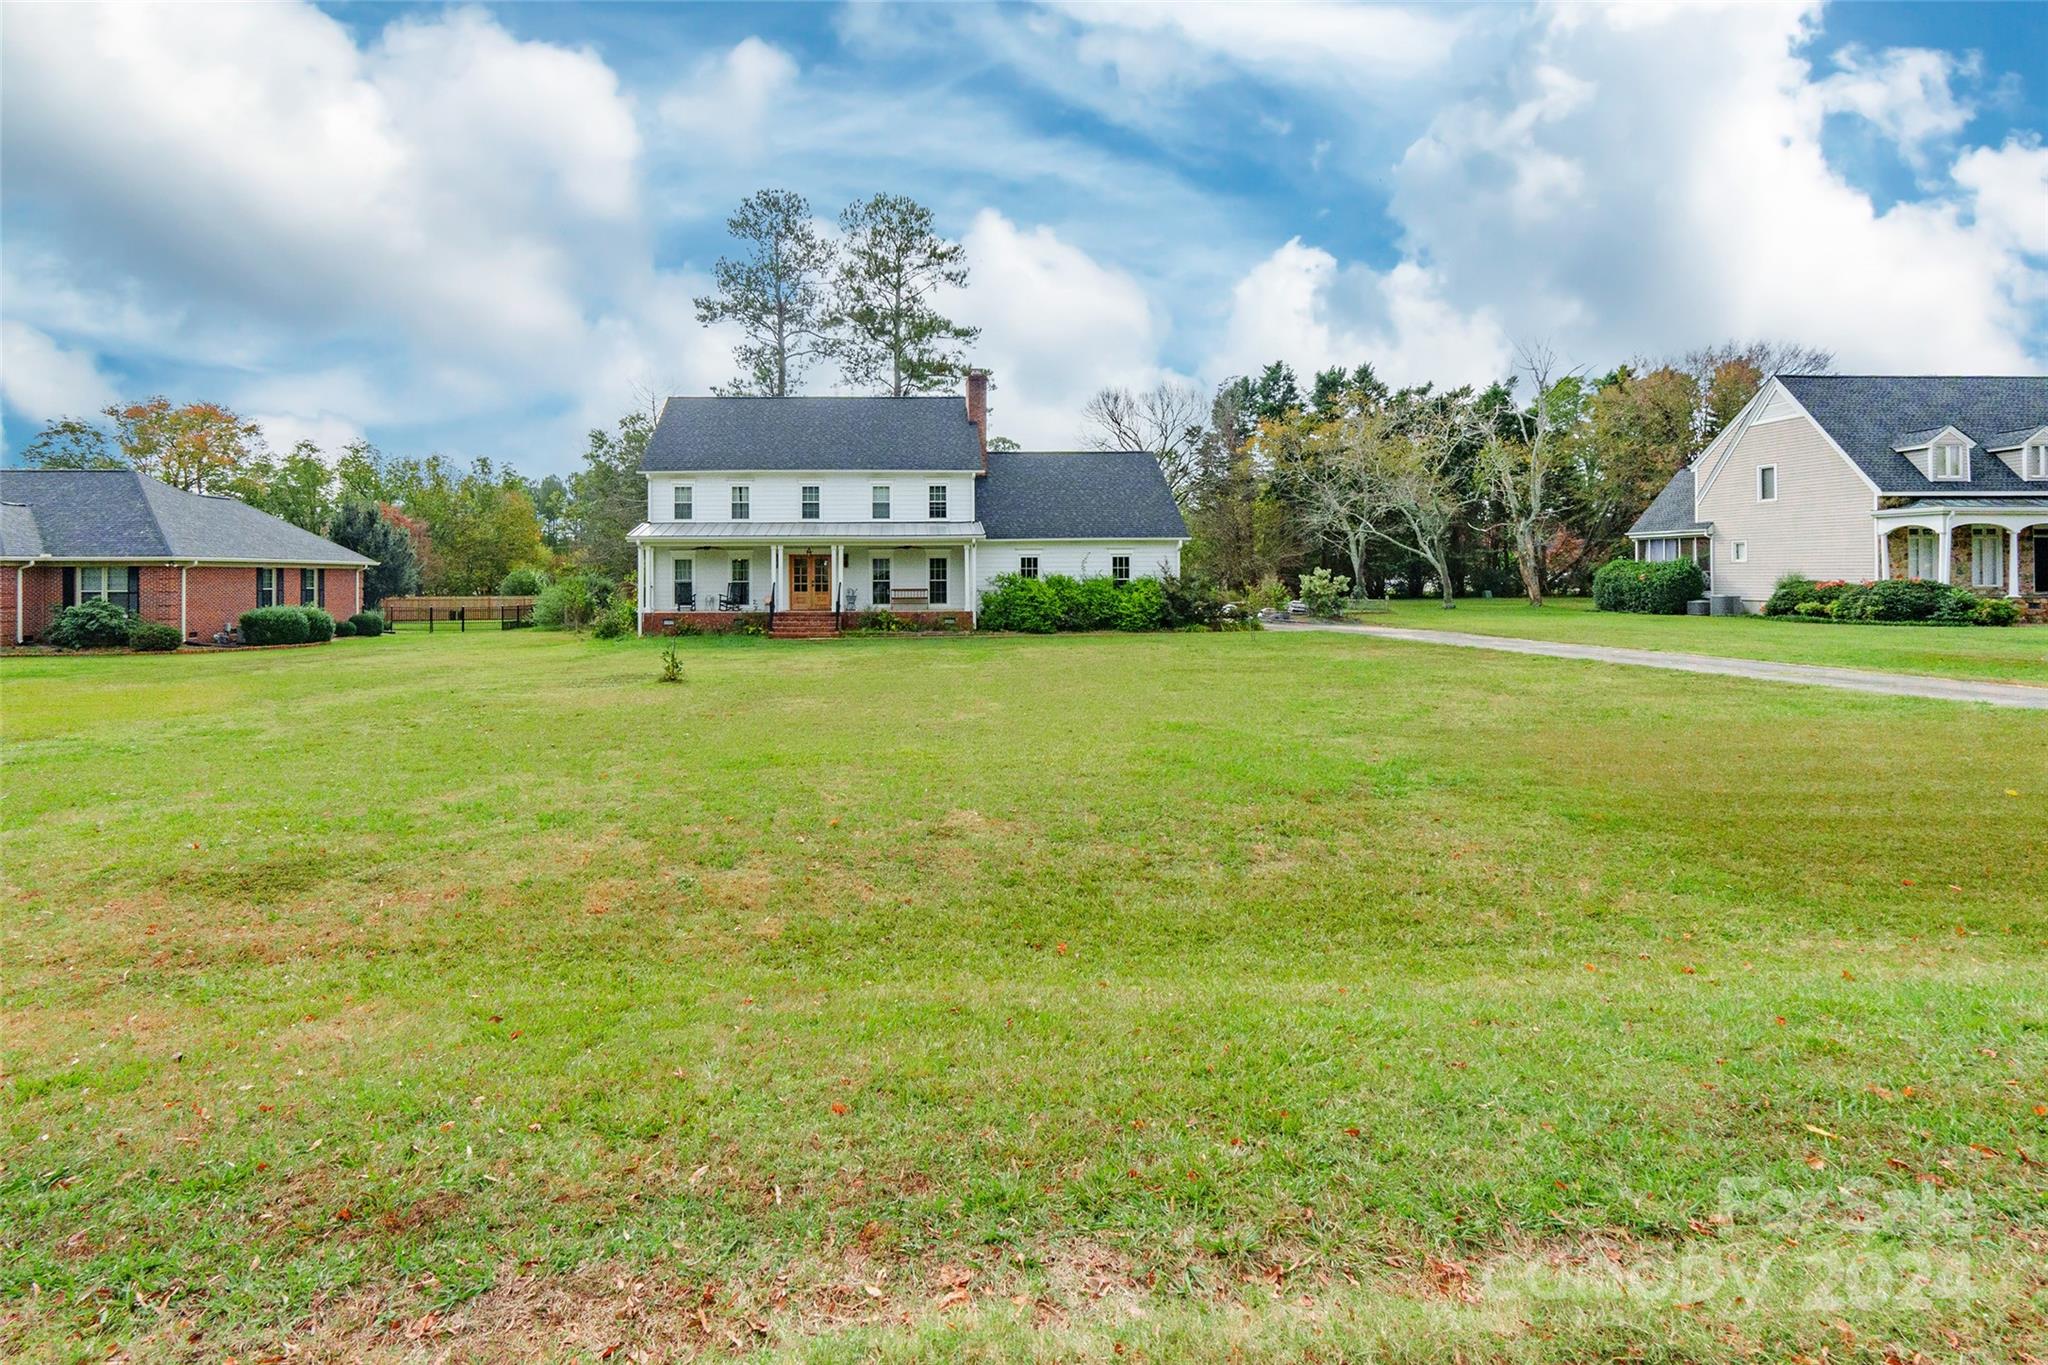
215	596
42	592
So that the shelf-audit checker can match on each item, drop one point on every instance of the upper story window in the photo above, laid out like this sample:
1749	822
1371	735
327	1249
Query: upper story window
935	501
1767	483
881	502
2034	461
742	502
1945	459
684	502
810	502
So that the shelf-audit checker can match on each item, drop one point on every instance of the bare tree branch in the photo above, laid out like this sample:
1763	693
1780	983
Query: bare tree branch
1165	421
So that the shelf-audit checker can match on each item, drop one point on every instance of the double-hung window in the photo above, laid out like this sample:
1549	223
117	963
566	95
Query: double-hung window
1120	569
880	503
111	582
935	501
684	506
1947	458
270	587
878	578
1767	483
313	587
742	502
1027	566
686	587
2034	461
810	502
936	578
742	573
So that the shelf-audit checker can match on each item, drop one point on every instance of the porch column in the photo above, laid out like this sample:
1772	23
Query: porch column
1884	554
640	589
1943	556
2012	561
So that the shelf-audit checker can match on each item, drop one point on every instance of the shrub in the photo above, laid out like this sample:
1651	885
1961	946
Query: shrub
1896	599
1095	605
93	624
522	582
319	625
1997	611
1811	608
1956	608
751	623
1269	595
615	621
882	621
151	638
682	625
1323	593
1658	589
1191	600
274	626
345	627
671	665
1018	603
1141	605
1792	592
564	604
368	622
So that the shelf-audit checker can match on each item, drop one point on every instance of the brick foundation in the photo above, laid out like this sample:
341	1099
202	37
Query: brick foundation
724	622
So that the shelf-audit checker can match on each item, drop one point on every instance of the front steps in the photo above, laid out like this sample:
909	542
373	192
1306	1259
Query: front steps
804	625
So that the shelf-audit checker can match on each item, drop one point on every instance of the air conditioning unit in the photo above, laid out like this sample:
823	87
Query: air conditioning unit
1727	604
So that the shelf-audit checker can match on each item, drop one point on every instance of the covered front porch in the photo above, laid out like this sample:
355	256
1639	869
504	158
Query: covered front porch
712	572
1987	545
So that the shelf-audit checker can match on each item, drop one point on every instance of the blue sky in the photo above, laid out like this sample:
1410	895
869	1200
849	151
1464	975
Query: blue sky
478	230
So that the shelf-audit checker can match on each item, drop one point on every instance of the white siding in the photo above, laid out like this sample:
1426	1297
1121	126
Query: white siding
909	569
1820	524
711	571
1077	558
842	496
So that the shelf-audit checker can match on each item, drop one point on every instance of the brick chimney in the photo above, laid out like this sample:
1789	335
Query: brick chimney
977	410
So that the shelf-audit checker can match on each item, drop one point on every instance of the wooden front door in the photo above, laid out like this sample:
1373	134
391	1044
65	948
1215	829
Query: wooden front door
810	582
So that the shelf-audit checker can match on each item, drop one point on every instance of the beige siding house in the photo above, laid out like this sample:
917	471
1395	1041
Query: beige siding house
1859	477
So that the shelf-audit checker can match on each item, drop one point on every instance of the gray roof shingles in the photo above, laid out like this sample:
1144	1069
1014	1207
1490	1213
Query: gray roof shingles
713	434
1078	495
1670	512
20	537
120	514
1868	414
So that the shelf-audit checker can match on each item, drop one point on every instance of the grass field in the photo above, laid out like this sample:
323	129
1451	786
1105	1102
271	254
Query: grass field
2012	654
1259	996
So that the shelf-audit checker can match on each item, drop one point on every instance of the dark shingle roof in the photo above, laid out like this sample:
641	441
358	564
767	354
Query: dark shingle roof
20	538
1866	415
2009	440
812	433
1670	513
1080	495
120	514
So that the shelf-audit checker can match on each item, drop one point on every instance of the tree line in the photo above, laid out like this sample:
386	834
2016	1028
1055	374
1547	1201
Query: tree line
1527	485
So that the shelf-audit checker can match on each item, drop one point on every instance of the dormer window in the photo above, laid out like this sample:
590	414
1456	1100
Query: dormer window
1946	459
2034	460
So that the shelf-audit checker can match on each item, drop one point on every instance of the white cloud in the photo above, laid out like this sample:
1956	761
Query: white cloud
1151	45
330	431
722	105
1707	209
1300	306
2009	186
43	380
1056	326
1905	91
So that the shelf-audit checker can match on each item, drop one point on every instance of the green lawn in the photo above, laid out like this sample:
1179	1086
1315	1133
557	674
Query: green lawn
2012	654
1191	996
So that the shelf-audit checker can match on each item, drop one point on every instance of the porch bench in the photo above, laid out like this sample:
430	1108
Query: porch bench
908	599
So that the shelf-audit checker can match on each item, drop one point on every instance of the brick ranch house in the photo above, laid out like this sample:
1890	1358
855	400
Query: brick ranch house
191	560
805	509
1863	477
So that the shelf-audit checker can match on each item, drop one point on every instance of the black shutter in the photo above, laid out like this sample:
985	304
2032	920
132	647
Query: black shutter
259	587
135	589
71	587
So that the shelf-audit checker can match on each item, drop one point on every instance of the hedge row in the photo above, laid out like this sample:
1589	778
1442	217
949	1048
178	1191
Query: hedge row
1889	600
1660	588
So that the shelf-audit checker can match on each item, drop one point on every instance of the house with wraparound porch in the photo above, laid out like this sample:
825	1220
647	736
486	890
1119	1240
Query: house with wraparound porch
802	512
1864	477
